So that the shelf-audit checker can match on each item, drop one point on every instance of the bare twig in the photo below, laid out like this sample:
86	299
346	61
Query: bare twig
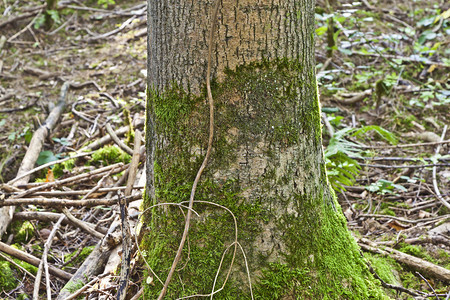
49	164
78	178
44	265
82	224
134	162
117	140
435	184
107	34
406	145
429	285
33	260
55	203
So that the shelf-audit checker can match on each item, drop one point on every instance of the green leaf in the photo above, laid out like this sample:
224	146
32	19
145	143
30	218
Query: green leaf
387	135
321	30
62	141
39	22
45	157
54	15
12	137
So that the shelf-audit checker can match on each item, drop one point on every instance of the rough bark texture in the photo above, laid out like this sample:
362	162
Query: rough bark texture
267	164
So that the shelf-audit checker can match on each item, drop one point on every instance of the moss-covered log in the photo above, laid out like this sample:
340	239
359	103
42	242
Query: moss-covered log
267	164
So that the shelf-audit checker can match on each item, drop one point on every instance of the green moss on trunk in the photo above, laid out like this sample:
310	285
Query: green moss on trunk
267	167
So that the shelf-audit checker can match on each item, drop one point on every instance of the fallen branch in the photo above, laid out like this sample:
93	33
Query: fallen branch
431	239
32	260
34	149
353	97
107	34
48	217
81	192
71	180
94	263
56	203
419	264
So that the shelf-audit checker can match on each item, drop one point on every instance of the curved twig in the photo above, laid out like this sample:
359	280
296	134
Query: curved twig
435	185
205	160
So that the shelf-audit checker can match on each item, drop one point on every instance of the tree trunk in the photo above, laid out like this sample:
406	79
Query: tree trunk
266	166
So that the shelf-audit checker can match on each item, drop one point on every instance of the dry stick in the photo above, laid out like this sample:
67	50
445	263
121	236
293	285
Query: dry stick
134	162
50	217
82	192
82	225
435	185
98	185
55	203
7	258
117	140
21	17
429	285
423	239
409	260
85	287
33	152
63	25
126	250
126	234
205	161
33	260
403	219
105	139
44	264
406	145
94	263
77	178
107	34
49	164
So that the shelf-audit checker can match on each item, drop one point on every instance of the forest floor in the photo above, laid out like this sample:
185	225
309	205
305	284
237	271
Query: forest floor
382	69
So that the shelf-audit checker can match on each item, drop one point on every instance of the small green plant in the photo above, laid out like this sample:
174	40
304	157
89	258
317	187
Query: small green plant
105	3
25	133
340	155
383	186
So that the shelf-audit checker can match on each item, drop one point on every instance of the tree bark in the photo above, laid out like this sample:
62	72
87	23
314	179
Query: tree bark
266	166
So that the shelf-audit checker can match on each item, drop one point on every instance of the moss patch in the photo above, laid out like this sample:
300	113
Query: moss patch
7	278
109	155
60	168
80	258
24	230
